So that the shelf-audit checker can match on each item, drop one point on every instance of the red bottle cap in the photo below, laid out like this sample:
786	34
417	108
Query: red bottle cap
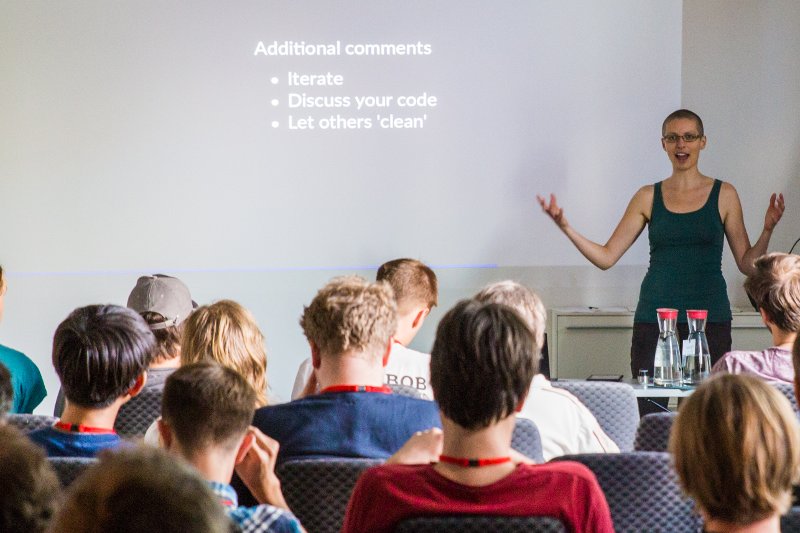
665	313
697	313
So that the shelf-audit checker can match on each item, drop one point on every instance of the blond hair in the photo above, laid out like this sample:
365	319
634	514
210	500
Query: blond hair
737	449
520	298
775	287
413	283
351	314
226	333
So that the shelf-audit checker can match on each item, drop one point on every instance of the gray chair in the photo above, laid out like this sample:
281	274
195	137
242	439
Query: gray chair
68	469
653	432
481	524
527	440
136	416
317	490
642	492
787	389
27	423
613	405
790	522
405	390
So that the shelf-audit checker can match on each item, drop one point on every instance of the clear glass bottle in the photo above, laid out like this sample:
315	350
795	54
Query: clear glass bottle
668	370
696	355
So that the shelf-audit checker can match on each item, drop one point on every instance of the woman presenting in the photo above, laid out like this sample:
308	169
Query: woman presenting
688	213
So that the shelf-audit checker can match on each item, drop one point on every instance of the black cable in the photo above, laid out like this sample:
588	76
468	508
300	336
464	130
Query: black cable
658	405
795	244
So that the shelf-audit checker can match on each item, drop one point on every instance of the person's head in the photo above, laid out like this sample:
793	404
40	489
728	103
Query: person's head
796	365
482	363
29	489
227	333
682	138
737	449
686	115
101	353
520	298
416	292
217	395
775	288
351	316
6	392
143	489
165	303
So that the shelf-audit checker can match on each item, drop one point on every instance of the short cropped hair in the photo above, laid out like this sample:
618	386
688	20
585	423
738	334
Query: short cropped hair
683	113
737	448
219	396
775	288
168	339
6	392
523	300
142	489
99	351
413	282
227	333
29	488
482	363
350	313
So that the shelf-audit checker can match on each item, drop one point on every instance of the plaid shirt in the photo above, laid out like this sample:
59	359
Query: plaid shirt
258	519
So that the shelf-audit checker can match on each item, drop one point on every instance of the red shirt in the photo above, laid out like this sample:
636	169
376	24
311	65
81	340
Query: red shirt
385	495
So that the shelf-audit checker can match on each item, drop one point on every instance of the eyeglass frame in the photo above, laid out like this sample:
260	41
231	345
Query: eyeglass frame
672	138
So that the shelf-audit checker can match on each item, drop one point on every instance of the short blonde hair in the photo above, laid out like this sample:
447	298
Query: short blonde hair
775	287
350	313
413	283
737	449
520	298
226	333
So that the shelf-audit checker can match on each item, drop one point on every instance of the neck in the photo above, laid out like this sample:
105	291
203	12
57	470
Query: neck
173	362
783	339
406	331
97	418
770	524
214	464
489	442
350	368
685	177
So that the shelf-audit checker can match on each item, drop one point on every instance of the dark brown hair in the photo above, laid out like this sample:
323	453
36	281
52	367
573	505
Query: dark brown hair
482	363
168	339
683	113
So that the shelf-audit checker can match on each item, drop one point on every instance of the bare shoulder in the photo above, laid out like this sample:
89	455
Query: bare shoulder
728	197
642	201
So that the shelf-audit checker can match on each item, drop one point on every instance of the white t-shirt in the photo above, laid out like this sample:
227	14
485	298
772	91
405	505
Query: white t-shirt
565	424
405	367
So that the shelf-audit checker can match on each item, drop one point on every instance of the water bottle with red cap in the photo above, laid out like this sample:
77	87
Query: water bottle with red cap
668	371
696	355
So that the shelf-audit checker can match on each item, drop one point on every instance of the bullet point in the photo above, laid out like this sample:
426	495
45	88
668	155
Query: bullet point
274	81
275	102
275	124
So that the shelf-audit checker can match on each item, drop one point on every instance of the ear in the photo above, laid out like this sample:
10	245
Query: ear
244	447
420	318
165	432
702	142
138	385
521	402
387	352
315	358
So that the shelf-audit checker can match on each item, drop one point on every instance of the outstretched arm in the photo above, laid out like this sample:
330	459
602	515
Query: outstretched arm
604	256
743	253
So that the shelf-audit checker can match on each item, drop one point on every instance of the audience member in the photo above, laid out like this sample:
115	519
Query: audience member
225	403
737	453
26	380
774	286
29	489
101	354
349	326
137	490
165	303
6	392
482	364
565	424
416	293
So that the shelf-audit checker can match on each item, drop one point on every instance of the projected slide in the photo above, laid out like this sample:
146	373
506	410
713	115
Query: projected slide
258	135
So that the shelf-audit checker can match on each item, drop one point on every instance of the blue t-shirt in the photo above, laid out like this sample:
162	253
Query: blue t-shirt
58	443
258	519
26	380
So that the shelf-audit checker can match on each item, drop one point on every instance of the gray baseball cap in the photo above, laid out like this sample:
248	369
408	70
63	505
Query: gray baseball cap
164	295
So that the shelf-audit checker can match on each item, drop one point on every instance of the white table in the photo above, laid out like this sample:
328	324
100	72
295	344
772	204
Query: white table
653	391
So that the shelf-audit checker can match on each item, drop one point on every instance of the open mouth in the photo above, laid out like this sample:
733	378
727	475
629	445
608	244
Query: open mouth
682	156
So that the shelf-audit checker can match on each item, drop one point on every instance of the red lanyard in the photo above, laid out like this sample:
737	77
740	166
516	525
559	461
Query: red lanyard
78	428
474	463
357	388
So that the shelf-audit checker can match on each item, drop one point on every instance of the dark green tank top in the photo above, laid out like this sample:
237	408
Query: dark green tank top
685	269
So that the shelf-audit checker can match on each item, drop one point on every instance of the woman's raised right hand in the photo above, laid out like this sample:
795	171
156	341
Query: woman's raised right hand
553	210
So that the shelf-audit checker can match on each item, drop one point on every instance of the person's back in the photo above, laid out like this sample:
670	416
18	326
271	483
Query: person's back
482	362
565	425
774	286
101	354
224	401
26	380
